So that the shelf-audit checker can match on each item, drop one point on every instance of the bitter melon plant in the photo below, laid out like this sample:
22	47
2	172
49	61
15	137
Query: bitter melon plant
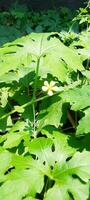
44	118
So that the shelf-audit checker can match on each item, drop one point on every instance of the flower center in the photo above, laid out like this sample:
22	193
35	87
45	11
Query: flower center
50	87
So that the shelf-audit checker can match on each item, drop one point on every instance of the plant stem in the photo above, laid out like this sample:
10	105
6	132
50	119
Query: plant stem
34	101
36	78
34	118
71	119
24	105
34	95
76	119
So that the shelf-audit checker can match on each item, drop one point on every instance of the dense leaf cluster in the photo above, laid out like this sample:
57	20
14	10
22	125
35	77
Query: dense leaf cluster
21	20
44	140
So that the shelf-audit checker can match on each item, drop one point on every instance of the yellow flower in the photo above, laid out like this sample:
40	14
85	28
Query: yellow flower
50	87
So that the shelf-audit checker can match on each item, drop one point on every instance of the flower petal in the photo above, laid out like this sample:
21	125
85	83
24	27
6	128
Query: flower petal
50	92
52	83
44	88
46	83
55	88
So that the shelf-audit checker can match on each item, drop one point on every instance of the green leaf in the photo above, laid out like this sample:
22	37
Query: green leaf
77	97
57	192
78	190
4	92
15	135
84	123
13	140
25	179
86	73
47	47
83	45
78	165
54	158
9	188
71	167
63	170
50	112
33	179
43	148
18	126
5	162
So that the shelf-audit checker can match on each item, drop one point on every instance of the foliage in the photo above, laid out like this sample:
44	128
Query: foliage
21	20
82	18
44	132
